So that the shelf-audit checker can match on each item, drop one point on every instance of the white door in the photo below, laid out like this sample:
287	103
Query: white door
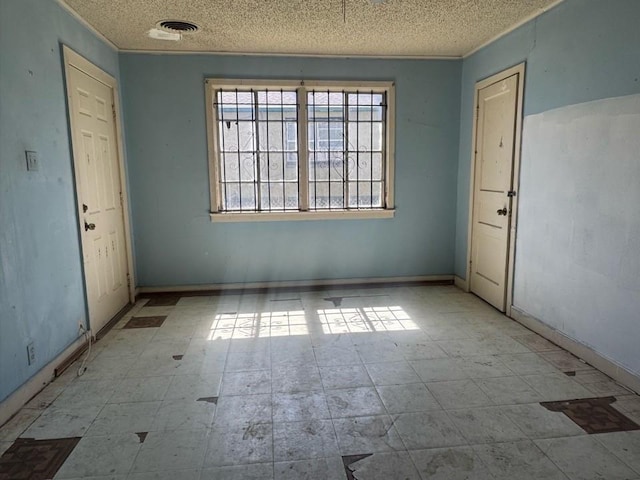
494	164
97	170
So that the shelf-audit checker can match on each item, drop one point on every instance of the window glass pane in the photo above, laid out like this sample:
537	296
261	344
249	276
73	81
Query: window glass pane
277	136
257	130
365	195
233	97
271	167
230	167
291	195
231	196
239	196
322	100
326	195
237	136
232	107
291	167
279	196
377	197
365	166
319	166
291	136
247	167
364	107
364	98
248	196
360	194
319	195
365	114
272	196
277	97
336	194
365	136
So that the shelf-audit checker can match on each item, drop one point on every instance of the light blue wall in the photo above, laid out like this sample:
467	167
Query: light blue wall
175	242
576	265
580	51
41	291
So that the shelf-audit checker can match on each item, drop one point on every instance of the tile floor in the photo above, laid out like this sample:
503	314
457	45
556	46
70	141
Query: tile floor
419	382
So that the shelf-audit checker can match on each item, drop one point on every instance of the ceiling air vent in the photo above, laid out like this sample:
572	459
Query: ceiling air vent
178	26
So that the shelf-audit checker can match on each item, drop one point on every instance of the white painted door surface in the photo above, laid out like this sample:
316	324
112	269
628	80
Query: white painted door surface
494	162
98	178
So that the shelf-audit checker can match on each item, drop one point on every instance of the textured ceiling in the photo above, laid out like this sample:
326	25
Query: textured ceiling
390	28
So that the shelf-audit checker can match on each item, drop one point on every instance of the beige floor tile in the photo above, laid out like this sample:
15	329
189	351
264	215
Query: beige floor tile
432	382
585	458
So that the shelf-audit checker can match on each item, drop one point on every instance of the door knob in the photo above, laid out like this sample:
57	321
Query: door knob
89	226
502	211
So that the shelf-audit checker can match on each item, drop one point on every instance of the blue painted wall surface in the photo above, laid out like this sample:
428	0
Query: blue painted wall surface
175	242
576	265
41	289
580	51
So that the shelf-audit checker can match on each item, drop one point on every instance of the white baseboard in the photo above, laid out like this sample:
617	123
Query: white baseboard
295	284
588	354
14	402
461	283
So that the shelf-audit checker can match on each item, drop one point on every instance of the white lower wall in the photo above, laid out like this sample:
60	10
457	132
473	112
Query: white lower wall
578	248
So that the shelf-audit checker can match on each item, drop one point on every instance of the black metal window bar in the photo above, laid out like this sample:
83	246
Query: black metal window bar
257	135
347	136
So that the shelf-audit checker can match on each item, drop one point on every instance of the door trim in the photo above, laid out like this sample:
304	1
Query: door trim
517	148
74	60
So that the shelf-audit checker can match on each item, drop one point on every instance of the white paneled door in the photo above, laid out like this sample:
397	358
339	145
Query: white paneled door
98	180
493	189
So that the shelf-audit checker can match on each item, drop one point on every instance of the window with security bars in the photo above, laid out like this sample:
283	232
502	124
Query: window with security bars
300	147
345	151
257	132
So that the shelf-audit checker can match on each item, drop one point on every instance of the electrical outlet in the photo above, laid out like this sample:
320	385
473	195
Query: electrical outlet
32	161
31	354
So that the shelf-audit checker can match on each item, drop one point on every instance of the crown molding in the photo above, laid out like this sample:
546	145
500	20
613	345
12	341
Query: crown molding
86	24
513	27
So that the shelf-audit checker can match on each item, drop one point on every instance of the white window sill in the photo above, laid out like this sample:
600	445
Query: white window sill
299	216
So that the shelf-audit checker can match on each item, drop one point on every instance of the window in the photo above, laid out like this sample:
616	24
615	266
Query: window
300	150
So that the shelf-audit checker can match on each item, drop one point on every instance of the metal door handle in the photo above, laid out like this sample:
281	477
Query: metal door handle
89	226
502	211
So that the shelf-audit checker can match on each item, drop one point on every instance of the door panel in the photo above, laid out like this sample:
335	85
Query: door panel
102	223
494	162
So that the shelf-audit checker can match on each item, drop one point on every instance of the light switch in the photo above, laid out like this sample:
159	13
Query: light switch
32	161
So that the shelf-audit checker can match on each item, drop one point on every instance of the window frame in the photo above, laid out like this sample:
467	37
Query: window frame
212	85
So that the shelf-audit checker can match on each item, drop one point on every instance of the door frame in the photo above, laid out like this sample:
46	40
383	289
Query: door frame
75	60
519	70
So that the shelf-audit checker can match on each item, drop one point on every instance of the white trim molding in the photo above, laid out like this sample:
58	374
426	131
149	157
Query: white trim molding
296	284
298	216
461	283
87	25
293	55
112	45
579	349
300	87
513	27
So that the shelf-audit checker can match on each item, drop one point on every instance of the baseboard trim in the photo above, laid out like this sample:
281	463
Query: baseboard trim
461	283
580	350
114	321
441	279
14	402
